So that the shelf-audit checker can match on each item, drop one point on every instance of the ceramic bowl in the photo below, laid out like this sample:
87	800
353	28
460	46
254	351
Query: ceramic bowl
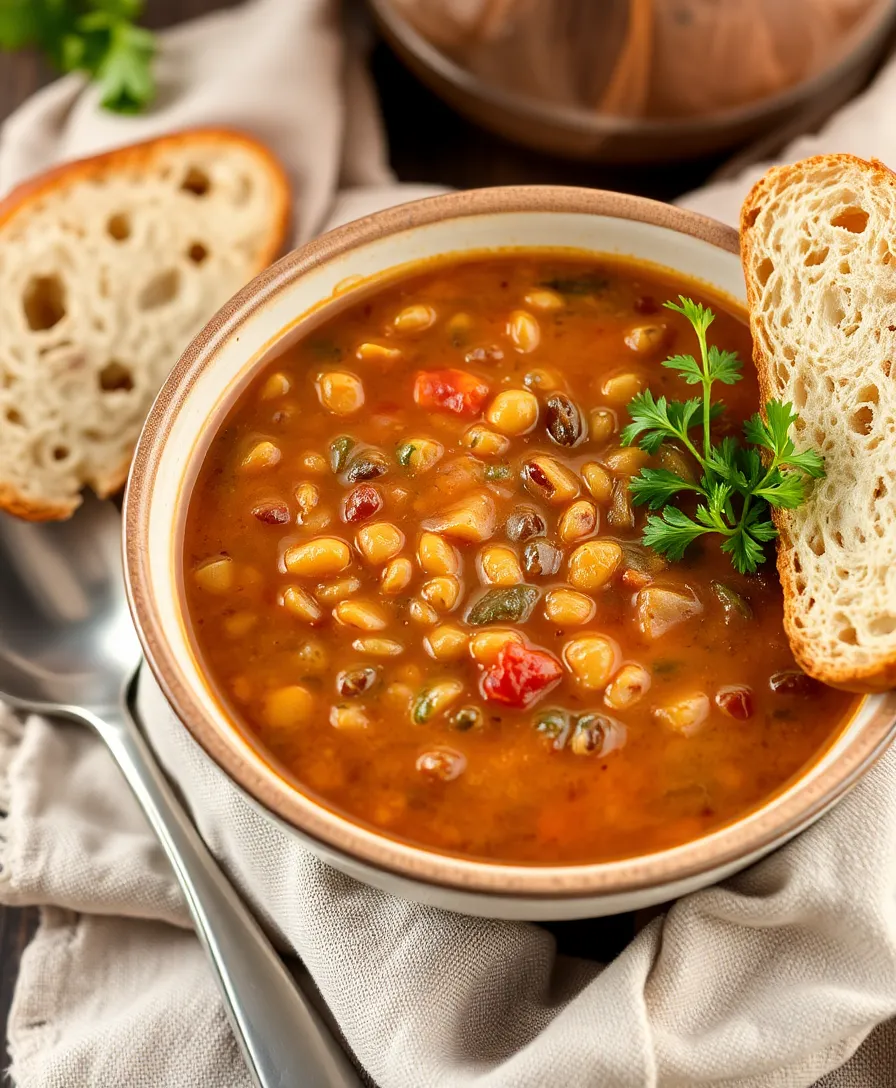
283	304
576	132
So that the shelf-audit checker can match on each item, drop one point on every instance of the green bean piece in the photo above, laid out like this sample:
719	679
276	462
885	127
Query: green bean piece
732	601
505	603
340	448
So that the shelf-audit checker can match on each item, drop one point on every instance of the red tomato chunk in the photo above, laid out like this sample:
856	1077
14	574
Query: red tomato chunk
454	390
520	675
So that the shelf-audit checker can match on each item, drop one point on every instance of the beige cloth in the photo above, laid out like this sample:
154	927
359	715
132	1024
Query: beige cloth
771	980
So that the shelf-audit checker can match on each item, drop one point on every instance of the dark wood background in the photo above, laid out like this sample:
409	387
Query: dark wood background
429	143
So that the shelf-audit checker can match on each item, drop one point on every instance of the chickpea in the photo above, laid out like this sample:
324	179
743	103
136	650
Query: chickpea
446	643
603	424
262	455
312	658
622	388
442	764
626	461
317	520
277	385
577	521
418	455
500	566
592	660
307	496
340	392
338	591
483	442
216	575
240	624
542	298
544	380
378	647
349	717
524	331
592	565
318	558
441	593
513	411
598	481
568	608
486	645
398	697
546	478
422	613
288	706
416	318
241	689
459	327
377	353
361	614
396	575
315	463
301	604
436	556
380	542
409	674
629	685
644	339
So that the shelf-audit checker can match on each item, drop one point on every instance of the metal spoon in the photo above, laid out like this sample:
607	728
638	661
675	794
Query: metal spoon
67	647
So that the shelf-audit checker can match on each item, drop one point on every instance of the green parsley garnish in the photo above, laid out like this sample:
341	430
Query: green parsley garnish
738	487
98	37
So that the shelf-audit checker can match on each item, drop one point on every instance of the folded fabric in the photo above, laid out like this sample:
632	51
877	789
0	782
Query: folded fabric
772	979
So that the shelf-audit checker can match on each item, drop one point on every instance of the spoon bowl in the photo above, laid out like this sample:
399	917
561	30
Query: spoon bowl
68	648
67	638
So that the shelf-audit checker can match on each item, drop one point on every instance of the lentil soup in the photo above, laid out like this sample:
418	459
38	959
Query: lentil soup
412	568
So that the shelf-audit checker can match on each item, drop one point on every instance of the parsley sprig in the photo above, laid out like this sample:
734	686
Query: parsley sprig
98	37
738	485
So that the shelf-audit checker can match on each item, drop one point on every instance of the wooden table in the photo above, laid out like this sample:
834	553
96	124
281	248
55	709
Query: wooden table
429	143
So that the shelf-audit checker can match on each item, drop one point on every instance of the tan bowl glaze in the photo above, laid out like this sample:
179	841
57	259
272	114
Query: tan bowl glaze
283	304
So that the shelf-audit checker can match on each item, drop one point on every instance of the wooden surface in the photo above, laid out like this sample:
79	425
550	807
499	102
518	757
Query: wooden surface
429	143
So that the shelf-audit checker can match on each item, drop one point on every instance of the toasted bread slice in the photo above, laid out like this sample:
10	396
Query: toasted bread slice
818	242
108	267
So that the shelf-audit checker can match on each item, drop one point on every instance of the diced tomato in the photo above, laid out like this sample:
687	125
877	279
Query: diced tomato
736	701
454	390
519	675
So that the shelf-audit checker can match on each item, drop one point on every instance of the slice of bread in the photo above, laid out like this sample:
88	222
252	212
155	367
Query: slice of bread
818	242
108	267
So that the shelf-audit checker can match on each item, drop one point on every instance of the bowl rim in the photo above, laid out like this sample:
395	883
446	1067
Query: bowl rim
753	834
860	42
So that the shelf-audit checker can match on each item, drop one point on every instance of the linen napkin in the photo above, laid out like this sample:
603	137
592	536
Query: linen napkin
774	979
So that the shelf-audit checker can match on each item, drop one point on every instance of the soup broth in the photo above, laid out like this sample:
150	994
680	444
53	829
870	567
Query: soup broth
413	569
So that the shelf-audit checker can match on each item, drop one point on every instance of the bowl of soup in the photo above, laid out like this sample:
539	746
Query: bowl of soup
385	563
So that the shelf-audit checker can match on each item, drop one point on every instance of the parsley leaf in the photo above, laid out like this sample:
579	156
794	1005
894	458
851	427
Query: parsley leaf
654	487
97	37
671	532
739	484
658	420
724	366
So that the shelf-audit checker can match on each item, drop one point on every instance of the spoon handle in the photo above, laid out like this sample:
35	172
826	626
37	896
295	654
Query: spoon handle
282	1037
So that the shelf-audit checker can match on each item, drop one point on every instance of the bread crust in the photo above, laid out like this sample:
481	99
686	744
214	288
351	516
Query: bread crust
880	676
135	157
